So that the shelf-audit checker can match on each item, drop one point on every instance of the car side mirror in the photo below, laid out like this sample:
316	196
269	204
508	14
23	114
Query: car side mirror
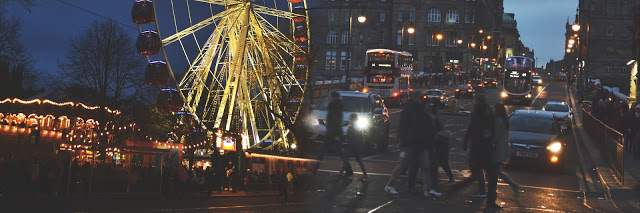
377	111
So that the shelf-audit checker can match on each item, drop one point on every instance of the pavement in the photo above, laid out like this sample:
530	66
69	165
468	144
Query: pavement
624	197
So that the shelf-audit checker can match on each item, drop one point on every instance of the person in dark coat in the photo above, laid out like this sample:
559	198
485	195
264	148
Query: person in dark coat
416	133
480	135
334	134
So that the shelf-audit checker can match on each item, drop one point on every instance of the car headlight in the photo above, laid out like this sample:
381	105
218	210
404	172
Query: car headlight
504	94
528	95
314	122
361	124
555	147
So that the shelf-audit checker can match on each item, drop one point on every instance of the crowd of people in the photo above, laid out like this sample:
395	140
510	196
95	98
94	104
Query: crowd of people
426	148
617	114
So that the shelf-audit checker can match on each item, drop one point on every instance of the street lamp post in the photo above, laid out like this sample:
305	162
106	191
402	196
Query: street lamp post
576	29
361	19
433	57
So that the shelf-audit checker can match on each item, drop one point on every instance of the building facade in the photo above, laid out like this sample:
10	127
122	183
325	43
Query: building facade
459	22
605	40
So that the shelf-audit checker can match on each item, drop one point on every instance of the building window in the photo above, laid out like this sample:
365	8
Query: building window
332	16
626	7
624	31
346	16
343	60
332	37
469	16
412	39
429	38
453	16
434	40
611	7
434	15
609	69
382	17
610	29
450	39
412	14
623	70
381	37
331	60
399	39
400	13
361	40
345	37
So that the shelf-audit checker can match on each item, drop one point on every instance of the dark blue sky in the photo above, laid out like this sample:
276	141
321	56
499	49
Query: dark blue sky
49	27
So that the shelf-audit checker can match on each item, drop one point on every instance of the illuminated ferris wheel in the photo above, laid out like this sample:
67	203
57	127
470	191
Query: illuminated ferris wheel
248	77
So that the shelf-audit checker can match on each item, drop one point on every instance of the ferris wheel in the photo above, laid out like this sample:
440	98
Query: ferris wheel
247	79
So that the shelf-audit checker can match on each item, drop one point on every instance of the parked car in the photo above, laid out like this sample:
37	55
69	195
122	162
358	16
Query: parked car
537	138
464	91
437	97
373	118
561	109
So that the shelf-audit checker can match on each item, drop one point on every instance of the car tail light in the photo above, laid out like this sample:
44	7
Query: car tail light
554	159
457	90
468	84
441	97
485	82
470	90
494	82
395	94
479	85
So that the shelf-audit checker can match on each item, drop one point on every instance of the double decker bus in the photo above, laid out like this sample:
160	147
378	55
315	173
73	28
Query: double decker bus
517	81
387	72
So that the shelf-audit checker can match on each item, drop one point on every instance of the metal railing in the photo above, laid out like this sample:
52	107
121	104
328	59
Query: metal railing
609	141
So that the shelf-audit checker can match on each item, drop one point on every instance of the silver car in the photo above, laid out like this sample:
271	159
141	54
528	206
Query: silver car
562	111
373	118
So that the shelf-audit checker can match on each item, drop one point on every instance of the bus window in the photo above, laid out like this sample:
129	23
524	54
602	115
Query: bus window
404	83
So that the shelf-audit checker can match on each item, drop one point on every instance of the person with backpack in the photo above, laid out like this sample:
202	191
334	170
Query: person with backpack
416	133
480	134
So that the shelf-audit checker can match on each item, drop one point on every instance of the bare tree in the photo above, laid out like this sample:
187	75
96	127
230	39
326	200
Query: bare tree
103	60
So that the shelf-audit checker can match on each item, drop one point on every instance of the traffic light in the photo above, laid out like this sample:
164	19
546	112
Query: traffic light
488	66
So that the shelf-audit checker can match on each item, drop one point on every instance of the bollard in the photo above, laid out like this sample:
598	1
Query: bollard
454	105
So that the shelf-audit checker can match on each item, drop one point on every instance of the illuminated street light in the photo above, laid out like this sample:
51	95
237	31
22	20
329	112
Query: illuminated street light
568	50
439	36
480	31
575	27
459	41
473	45
571	41
362	19
411	30
489	37
484	47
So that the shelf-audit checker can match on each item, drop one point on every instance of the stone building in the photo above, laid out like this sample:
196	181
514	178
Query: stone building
458	21
606	39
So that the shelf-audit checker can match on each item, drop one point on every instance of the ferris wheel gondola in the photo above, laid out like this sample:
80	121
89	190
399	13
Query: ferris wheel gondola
248	77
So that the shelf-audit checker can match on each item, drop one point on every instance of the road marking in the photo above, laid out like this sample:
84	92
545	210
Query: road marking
501	184
232	207
391	113
383	205
534	100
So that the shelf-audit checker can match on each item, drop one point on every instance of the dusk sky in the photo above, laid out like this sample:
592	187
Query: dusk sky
49	27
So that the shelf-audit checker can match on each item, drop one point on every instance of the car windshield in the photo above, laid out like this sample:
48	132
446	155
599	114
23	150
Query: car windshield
350	104
491	79
463	87
532	124
434	93
556	108
536	77
475	81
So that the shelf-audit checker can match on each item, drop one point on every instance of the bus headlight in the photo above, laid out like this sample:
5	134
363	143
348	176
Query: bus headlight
504	94
362	124
555	147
